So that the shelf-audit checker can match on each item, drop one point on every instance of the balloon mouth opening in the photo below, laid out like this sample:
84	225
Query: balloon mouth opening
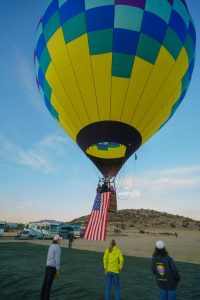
109	144
107	150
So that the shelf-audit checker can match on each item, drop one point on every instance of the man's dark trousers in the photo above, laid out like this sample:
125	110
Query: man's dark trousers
48	280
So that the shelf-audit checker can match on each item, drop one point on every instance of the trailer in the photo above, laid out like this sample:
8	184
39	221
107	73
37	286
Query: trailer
44	230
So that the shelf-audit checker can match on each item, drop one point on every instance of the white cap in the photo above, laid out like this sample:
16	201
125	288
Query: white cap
57	237
160	244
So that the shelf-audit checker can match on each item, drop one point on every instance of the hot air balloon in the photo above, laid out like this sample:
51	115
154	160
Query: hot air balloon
113	72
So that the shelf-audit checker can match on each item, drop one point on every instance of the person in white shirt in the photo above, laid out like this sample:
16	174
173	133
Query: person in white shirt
52	267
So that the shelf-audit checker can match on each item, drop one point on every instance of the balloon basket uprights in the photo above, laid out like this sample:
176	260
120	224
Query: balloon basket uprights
107	184
113	202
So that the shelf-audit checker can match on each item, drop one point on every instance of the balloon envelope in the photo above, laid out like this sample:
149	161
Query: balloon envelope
114	72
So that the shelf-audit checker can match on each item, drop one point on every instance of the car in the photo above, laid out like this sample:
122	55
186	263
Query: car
23	235
49	236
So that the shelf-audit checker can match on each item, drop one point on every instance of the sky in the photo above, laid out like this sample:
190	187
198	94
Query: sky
44	175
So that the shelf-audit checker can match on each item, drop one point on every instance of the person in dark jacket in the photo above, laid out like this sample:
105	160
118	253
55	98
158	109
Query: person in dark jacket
70	238
99	189
166	272
104	188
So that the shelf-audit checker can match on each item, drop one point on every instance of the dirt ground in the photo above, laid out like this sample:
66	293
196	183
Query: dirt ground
185	248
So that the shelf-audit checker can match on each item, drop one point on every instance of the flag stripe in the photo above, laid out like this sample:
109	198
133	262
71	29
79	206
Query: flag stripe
105	216
105	202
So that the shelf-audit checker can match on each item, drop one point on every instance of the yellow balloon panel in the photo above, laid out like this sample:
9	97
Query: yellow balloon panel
139	77
164	62
66	128
155	81
65	73
151	131
110	153
81	60
176	74
161	116
118	96
155	94
165	97
60	94
64	119
101	66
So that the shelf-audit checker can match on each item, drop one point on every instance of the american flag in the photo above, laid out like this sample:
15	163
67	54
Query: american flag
96	227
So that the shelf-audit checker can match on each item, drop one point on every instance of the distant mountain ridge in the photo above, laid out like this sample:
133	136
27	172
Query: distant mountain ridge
143	219
47	221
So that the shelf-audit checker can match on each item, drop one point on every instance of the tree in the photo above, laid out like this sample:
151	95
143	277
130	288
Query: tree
7	228
20	226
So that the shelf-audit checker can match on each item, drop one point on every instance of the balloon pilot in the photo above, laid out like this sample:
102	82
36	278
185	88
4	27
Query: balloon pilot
106	184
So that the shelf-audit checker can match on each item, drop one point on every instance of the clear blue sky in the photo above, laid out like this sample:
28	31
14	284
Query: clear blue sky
43	174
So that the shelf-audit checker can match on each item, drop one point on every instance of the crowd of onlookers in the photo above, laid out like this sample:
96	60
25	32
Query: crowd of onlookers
163	267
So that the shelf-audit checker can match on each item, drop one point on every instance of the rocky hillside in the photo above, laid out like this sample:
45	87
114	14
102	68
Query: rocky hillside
145	220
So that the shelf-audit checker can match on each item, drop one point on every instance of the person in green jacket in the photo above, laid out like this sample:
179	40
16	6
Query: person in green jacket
113	262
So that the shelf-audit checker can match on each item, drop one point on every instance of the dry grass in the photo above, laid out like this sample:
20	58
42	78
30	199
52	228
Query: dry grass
184	249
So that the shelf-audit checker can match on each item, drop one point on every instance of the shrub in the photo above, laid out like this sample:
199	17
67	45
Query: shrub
132	225
123	226
185	225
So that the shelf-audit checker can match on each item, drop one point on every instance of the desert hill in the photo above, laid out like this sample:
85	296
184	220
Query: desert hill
144	220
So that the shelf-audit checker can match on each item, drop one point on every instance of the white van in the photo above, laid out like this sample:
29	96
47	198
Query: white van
23	235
